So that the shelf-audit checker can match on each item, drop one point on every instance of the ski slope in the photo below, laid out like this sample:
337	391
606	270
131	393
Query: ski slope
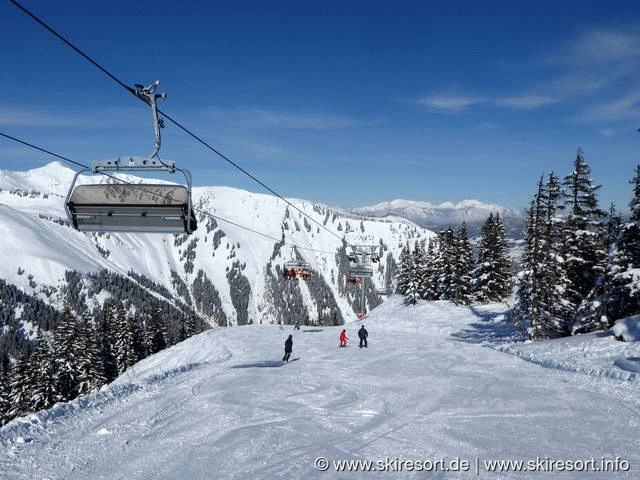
432	387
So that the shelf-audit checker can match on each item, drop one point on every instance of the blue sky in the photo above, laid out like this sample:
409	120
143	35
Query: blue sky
347	105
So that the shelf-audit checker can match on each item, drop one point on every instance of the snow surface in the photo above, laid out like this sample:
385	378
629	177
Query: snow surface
628	328
435	383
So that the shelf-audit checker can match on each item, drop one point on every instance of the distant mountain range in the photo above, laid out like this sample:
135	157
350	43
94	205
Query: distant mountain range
433	217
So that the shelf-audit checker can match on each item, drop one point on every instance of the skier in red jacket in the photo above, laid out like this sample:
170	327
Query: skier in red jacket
343	338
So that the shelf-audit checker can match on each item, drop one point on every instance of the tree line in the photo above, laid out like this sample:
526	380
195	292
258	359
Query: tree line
581	264
580	267
446	268
83	352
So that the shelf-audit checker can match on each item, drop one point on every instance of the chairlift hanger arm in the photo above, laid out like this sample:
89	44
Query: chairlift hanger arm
149	96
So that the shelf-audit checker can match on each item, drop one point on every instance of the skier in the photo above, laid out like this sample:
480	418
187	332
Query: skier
296	324
343	338
288	347
363	334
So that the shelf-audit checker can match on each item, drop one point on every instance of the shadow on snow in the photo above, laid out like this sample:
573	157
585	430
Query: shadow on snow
265	364
492	327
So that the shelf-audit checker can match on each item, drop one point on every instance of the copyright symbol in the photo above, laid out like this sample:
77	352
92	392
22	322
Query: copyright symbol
322	464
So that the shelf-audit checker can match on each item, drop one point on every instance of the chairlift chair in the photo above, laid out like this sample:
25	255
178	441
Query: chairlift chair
129	207
360	270
297	269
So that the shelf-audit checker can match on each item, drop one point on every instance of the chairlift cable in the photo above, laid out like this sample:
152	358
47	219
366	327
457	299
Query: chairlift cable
141	188
175	122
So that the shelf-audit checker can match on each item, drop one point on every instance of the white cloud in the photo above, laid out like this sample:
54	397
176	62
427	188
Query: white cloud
607	132
621	109
525	102
250	117
30	117
318	122
449	103
597	46
458	103
608	46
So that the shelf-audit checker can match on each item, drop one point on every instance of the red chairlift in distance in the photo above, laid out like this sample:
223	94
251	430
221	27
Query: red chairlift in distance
297	269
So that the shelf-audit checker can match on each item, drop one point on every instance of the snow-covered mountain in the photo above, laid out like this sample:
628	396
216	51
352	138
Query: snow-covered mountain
433	217
229	275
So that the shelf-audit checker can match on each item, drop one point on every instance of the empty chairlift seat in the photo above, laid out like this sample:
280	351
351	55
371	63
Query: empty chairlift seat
131	207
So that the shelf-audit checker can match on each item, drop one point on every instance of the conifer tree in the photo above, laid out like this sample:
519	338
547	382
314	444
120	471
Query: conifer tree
461	287
91	374
420	269
4	386
66	355
541	308
446	264
42	373
156	330
501	261
21	388
491	280
582	252
404	272
623	287
416	263
106	343
429	280
192	325
124	345
555	287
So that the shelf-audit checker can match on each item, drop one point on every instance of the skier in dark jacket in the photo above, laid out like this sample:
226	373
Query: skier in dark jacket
288	347
363	334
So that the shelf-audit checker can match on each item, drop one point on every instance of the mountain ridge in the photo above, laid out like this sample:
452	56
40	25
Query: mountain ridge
239	267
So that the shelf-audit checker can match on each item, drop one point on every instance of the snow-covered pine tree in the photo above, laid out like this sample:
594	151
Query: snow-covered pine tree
614	225
525	313
501	262
582	250
482	273
124	345
42	372
91	374
461	287
390	273
404	271
106	343
445	264
416	264
429	280
21	388
420	269
191	326
540	308
4	386
555	288
491	277
623	286
66	355
155	330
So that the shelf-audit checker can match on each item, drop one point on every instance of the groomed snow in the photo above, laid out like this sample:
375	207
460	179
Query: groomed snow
433	385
